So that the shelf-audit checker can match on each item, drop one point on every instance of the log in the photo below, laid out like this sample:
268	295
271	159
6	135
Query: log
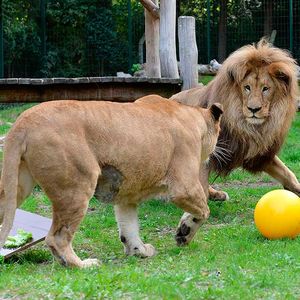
152	44
167	49
151	7
188	52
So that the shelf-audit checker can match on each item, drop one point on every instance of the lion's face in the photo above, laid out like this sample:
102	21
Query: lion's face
257	93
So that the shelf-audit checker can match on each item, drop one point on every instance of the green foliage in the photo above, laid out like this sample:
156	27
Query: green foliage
83	38
90	38
21	37
21	238
135	68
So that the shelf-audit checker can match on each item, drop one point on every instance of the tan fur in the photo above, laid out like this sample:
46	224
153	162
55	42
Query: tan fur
123	153
257	86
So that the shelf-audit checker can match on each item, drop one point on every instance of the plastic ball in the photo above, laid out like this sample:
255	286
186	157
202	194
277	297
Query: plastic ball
277	215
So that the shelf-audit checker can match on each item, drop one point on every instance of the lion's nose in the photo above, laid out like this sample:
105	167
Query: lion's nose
254	109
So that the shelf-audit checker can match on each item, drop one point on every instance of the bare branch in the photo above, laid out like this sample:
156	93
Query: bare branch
151	7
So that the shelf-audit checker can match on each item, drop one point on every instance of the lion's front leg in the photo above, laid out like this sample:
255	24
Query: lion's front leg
212	194
278	170
216	195
127	219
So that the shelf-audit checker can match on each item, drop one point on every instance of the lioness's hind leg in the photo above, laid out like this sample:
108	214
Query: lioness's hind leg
67	216
127	219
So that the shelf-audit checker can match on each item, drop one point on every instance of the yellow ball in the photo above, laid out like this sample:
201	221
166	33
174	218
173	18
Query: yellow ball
277	215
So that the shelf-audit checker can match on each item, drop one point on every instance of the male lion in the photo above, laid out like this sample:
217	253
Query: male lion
121	153
257	86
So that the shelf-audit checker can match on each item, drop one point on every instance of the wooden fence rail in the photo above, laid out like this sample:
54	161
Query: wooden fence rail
120	89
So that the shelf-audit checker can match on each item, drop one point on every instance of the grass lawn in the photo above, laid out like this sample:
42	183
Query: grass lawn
228	258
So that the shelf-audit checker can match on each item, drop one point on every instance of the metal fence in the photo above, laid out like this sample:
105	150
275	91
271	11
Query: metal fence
70	38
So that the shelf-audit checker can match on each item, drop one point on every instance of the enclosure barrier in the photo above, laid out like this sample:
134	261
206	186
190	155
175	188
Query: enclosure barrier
119	89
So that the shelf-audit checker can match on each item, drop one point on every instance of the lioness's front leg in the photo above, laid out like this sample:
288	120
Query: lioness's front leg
278	170
127	219
196	212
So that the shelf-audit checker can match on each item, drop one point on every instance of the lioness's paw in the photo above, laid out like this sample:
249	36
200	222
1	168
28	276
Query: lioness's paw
149	250
143	250
90	262
182	235
187	229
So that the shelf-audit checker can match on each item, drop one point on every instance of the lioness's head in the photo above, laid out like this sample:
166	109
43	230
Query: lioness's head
213	118
264	76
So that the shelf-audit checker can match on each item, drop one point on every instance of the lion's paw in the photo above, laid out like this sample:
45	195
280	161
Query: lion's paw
297	190
218	196
90	262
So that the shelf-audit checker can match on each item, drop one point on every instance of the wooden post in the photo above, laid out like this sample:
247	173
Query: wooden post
152	44
167	48
188	52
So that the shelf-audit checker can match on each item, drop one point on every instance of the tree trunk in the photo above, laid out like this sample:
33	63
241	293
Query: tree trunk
222	32
188	52
152	7
152	44
141	49
268	16
167	48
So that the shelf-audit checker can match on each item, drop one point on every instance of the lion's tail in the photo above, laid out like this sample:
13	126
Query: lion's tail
9	184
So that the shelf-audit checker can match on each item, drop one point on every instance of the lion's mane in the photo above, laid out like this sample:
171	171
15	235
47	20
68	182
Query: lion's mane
249	146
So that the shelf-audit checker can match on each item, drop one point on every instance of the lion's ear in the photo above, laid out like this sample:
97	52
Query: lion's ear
216	110
238	72
281	73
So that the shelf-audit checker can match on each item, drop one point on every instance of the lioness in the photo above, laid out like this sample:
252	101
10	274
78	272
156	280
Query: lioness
257	86
121	153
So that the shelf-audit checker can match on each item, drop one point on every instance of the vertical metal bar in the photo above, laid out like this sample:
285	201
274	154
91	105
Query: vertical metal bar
43	29
129	35
1	42
208	29
291	24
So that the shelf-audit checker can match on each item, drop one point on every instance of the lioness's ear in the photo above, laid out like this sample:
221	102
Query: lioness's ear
216	111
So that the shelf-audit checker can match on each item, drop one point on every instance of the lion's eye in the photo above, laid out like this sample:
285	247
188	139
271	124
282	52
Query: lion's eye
247	88
265	88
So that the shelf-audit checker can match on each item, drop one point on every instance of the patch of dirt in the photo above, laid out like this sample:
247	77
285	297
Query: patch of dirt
243	184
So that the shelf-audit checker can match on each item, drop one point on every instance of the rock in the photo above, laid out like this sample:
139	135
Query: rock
122	74
140	73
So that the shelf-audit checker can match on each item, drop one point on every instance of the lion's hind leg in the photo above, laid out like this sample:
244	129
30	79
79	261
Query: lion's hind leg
127	219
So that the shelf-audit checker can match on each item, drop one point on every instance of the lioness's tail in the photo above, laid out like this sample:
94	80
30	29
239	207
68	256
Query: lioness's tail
9	183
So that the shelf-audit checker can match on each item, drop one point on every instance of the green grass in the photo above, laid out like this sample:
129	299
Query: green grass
205	79
228	258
